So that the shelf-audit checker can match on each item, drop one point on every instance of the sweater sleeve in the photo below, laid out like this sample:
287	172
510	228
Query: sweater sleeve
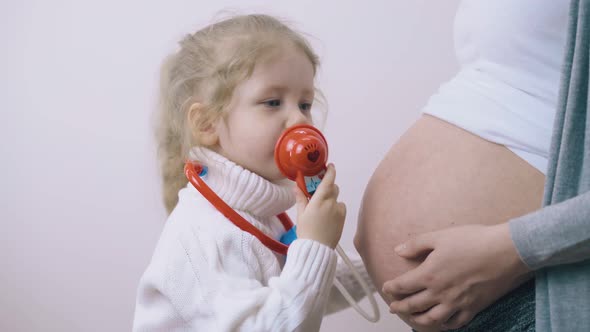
154	310
217	290
556	234
336	301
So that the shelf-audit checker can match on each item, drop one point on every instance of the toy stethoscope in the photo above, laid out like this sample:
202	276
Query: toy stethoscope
301	154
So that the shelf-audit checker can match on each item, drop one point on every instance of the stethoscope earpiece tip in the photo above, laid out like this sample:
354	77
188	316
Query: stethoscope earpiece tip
203	171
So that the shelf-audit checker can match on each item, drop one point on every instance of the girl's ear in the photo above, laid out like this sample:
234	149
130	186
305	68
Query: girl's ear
202	128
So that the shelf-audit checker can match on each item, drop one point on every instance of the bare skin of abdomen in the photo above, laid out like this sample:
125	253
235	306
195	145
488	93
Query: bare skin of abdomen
438	176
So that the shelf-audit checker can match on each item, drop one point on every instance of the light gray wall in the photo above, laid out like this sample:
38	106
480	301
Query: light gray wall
80	204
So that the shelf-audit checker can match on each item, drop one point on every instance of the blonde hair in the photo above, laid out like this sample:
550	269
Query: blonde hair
207	68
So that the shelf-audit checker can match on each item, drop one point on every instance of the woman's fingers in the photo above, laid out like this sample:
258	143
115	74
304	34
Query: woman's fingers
406	284
434	317
459	319
415	303
418	246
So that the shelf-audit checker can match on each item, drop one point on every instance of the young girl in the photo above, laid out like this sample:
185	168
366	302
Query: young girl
227	95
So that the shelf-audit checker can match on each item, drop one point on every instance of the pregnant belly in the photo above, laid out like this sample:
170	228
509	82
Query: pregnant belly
437	176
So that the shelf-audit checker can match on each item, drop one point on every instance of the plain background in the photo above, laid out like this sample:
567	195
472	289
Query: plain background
80	206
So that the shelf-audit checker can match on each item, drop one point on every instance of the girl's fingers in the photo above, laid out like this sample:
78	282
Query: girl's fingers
326	186
300	200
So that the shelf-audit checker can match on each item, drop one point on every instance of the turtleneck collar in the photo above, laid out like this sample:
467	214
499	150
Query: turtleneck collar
241	189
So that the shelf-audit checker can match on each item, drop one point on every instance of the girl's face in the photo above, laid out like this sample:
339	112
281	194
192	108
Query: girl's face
278	95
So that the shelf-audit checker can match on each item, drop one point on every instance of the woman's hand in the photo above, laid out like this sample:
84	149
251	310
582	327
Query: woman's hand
322	217
466	269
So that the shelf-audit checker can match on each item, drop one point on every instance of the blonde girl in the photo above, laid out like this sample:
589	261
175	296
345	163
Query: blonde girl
226	97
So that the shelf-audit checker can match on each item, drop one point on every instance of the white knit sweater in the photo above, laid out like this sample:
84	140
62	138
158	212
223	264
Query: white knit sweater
208	275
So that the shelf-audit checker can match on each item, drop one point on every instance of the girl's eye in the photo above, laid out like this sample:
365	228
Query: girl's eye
305	106
273	103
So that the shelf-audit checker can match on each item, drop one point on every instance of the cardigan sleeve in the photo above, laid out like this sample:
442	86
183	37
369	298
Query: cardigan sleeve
556	234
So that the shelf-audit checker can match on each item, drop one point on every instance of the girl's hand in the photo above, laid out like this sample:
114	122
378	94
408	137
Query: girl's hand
322	217
467	269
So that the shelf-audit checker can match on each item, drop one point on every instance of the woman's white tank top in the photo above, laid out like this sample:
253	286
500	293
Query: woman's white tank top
510	54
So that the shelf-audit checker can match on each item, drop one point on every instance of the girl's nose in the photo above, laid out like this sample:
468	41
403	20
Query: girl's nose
297	117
